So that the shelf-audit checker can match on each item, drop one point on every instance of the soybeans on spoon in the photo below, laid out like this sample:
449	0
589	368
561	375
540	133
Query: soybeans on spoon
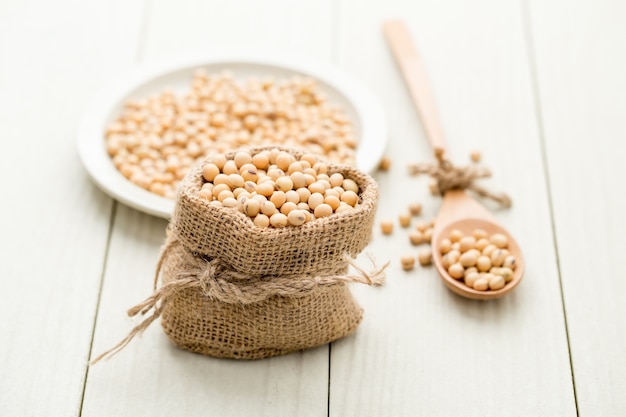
458	210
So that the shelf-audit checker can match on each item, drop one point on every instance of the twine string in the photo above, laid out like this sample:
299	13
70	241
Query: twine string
220	283
447	176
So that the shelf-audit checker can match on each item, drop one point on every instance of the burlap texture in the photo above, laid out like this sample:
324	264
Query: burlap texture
316	247
273	326
206	322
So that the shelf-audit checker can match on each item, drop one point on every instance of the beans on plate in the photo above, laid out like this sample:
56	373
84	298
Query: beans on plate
155	140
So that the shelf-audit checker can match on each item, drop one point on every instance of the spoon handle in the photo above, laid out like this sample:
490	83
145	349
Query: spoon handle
415	77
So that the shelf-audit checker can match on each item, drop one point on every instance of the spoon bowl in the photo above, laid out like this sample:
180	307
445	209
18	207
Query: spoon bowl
461	212
467	226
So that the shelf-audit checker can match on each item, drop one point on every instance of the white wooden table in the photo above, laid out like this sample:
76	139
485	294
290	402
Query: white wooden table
538	86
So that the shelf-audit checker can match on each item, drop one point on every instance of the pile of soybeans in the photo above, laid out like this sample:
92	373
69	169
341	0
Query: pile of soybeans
155	140
481	260
275	189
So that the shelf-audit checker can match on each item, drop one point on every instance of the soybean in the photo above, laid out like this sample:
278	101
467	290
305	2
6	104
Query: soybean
416	237
408	262
405	219
386	226
425	256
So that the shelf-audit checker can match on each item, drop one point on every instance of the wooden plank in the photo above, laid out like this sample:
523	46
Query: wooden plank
55	222
153	377
176	382
422	350
305	28
580	63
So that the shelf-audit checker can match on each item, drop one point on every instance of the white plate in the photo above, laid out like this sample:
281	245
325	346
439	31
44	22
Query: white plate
360	105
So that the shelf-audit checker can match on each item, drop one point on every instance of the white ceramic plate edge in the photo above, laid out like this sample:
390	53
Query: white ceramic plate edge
90	138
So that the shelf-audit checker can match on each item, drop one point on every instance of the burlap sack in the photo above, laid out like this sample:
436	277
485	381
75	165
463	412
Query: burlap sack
262	325
231	289
315	248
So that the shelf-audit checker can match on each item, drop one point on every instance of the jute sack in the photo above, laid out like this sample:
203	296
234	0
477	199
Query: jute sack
232	289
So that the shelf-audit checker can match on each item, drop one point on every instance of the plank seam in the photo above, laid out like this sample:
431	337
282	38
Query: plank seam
534	79
143	31
330	347
138	58
334	55
95	319
335	27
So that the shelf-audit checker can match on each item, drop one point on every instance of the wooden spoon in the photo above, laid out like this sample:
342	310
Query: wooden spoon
458	210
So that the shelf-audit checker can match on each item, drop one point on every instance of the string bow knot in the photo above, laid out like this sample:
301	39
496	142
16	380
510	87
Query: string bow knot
446	176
